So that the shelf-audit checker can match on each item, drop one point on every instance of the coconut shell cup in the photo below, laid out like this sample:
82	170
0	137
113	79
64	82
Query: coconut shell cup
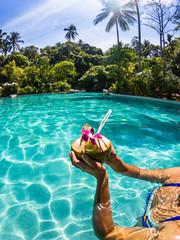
99	154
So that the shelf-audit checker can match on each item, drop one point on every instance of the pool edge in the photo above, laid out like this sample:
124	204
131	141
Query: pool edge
146	98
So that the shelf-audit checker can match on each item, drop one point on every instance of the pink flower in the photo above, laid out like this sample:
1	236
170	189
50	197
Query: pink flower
89	136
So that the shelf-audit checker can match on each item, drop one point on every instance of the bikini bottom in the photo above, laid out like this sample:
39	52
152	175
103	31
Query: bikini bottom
146	221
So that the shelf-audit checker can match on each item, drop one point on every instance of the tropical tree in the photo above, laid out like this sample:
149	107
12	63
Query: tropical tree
94	80
62	71
2	34
120	15
14	39
80	43
176	18
158	16
31	52
71	34
2	40
20	60
12	73
139	33
5	47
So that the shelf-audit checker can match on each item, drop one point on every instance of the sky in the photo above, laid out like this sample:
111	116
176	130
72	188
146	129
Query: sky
42	22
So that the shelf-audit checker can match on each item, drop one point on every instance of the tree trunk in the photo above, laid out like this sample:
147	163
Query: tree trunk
69	49
162	39
161	44
13	47
164	61
139	36
117	32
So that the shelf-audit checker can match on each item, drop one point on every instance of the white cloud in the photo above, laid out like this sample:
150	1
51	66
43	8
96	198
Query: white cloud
44	24
47	21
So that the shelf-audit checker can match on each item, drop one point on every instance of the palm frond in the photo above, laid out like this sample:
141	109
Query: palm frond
123	24
111	23
68	36
100	17
71	32
128	17
120	14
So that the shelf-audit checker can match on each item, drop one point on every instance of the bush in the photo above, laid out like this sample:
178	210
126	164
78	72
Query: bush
27	90
64	86
8	89
11	73
0	91
63	71
94	80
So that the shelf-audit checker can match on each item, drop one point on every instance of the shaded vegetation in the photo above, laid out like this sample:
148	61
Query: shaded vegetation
47	70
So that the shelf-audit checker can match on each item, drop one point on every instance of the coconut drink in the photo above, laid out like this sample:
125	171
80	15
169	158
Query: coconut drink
96	146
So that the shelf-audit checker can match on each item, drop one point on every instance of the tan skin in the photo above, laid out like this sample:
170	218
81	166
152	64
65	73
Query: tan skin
102	215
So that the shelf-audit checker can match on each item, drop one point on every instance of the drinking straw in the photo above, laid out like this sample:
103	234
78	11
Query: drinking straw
104	120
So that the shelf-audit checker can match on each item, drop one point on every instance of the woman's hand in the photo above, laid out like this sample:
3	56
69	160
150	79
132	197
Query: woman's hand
90	166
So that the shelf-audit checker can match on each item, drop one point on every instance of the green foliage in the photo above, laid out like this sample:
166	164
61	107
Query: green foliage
122	63
147	49
2	60
173	56
31	77
11	73
63	71
20	60
150	82
120	56
27	90
94	80
50	70
83	61
14	39
91	49
64	86
8	89
30	52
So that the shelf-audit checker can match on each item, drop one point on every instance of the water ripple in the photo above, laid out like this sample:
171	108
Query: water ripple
42	196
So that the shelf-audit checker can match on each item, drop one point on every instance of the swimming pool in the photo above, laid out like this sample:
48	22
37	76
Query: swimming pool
41	195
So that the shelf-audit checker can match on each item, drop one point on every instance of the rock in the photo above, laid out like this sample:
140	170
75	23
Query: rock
176	95
107	92
72	91
62	92
13	96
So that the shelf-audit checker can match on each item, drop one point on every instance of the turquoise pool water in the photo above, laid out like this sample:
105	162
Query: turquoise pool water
41	195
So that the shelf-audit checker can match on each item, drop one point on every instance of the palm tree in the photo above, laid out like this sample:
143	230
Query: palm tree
80	43
120	15
2	34
71	33
139	33
5	47
14	39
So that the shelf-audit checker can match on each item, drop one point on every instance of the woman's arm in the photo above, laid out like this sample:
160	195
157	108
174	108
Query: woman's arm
103	224
102	215
170	175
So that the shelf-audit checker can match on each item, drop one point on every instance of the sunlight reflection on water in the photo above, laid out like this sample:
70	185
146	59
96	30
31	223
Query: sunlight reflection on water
42	195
